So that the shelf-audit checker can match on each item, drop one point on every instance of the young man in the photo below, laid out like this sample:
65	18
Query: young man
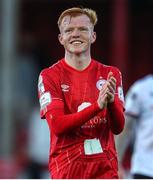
82	101
139	117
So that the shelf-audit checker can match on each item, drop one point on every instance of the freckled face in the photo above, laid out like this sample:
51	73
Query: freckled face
77	34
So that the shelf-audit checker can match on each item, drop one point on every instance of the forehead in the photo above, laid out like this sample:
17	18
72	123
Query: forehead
79	20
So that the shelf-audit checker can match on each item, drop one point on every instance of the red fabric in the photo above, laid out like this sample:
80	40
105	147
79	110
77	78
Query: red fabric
60	123
95	167
68	93
115	109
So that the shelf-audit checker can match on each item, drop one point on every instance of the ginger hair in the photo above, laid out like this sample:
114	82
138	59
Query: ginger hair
76	11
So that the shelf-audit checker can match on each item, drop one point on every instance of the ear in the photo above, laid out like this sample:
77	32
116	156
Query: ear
60	38
93	38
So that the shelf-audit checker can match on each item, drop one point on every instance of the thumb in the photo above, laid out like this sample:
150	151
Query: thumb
109	75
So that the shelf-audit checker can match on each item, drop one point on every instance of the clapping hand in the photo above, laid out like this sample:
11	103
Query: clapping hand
111	84
107	93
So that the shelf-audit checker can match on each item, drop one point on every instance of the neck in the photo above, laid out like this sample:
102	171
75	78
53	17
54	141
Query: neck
79	62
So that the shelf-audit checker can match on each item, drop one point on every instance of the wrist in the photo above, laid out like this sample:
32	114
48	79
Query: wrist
102	106
112	103
98	105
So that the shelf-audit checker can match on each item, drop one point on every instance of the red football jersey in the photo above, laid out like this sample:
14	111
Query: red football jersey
77	90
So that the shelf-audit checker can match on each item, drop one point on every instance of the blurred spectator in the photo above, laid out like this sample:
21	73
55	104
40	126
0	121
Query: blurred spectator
26	75
38	147
139	115
9	168
31	150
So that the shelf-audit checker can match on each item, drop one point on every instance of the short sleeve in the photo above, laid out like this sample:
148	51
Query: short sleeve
132	102
49	92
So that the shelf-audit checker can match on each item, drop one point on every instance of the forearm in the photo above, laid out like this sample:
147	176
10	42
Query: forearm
61	123
116	117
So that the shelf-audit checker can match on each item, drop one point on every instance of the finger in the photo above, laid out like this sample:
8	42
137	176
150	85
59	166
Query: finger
112	79
103	95
109	75
104	98
111	89
110	94
110	97
112	83
104	87
103	91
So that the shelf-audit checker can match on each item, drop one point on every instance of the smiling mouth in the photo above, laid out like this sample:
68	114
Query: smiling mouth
76	42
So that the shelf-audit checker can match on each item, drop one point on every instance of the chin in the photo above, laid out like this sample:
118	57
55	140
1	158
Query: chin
78	50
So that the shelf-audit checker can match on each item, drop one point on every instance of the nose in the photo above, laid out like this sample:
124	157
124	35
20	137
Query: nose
76	33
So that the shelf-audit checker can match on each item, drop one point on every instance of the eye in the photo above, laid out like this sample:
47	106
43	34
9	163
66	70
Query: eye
68	30
83	29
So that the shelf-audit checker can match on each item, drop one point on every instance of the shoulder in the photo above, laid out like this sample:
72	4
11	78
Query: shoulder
147	80
52	70
142	83
140	87
106	67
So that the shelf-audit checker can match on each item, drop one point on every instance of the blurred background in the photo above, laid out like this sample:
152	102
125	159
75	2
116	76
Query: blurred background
29	43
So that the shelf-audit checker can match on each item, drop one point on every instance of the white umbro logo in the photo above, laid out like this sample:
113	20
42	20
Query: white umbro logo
65	88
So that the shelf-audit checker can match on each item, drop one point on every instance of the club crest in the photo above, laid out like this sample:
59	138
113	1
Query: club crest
100	83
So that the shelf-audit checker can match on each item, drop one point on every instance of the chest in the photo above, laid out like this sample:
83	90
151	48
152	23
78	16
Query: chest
81	88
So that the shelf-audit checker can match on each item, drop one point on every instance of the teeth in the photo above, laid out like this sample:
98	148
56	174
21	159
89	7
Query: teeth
76	42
